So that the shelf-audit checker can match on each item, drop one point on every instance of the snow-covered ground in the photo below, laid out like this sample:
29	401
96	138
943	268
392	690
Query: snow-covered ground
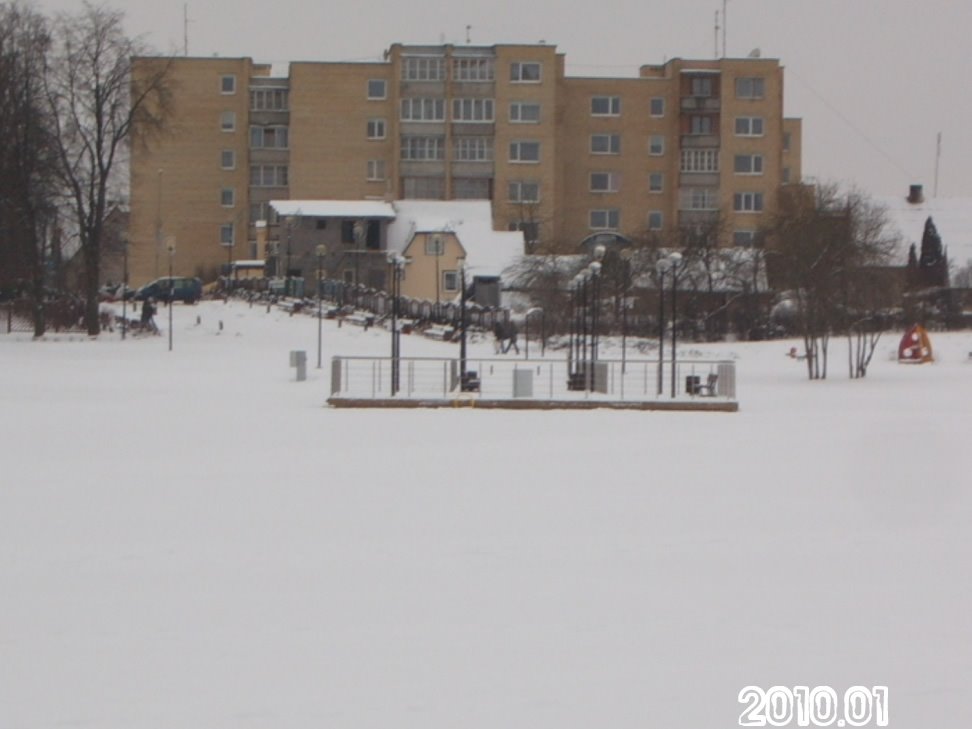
190	539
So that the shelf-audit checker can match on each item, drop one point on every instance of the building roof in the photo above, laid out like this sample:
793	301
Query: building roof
334	208
488	252
952	217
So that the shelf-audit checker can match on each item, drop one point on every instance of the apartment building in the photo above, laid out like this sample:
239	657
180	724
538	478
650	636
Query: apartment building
698	144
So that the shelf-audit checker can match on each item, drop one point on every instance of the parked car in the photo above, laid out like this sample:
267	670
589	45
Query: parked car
115	292
179	288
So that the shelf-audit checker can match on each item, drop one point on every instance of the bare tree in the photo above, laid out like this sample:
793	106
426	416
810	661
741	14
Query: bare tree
97	104
829	251
26	159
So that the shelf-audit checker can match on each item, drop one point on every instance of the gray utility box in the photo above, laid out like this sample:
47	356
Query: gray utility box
298	359
522	383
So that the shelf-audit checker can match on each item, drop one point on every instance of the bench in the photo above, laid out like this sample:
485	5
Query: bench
709	388
442	333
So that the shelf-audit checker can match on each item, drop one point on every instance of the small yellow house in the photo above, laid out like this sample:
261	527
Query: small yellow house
434	262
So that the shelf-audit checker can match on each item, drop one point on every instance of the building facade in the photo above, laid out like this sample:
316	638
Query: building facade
686	144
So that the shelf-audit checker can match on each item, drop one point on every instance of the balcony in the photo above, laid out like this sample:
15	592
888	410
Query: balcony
700	103
696	141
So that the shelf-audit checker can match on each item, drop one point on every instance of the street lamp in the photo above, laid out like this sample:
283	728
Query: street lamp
124	288
595	269
321	251
676	259
397	263
171	249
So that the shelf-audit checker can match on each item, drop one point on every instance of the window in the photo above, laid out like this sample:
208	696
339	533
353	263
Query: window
700	124
699	198
655	220
747	202
748	164
269	137
268	175
604	219
524	151
749	126
530	230
525	112
701	86
605	144
227	197
750	88
656	182
423	109
524	191
605	181
605	105
472	110
376	129
786	141
423	68
656	145
424	188
227	234
227	159
269	99
434	246
263	211
227	84
227	121
474	149
472	69
450	281
656	106
700	160
472	188
525	72
376	170
377	89
743	237
423	148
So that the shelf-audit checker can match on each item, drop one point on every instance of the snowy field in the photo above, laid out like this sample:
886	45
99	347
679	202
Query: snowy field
190	539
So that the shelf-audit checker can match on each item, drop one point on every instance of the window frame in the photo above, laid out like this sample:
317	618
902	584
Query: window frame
519	106
748	202
750	87
612	182
222	159
610	138
377	129
422	109
485	106
375	170
517	75
423	68
656	145
384	89
749	165
660	187
518	145
655	214
519	196
227	122
608	214
227	193
660	100
231	77
613	105
749	122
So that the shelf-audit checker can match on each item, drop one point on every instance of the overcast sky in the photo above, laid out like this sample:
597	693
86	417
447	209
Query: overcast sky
875	81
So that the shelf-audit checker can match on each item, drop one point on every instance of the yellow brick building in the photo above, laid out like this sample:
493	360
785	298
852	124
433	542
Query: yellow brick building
686	143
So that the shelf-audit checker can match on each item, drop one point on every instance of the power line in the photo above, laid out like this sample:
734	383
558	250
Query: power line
840	115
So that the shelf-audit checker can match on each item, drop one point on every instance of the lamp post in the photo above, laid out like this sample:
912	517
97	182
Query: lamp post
321	251
625	284
124	287
462	323
676	258
437	251
661	266
171	249
290	236
397	263
595	269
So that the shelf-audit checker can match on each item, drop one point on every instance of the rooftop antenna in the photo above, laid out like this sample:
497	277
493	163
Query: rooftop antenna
725	22
185	29
938	158
468	28
716	55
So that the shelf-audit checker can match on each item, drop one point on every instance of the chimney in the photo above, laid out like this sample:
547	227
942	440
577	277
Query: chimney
915	195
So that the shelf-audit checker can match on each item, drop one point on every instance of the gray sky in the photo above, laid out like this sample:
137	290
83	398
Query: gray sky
874	80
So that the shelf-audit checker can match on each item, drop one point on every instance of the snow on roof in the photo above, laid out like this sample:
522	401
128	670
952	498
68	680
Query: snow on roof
952	217
488	252
334	208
